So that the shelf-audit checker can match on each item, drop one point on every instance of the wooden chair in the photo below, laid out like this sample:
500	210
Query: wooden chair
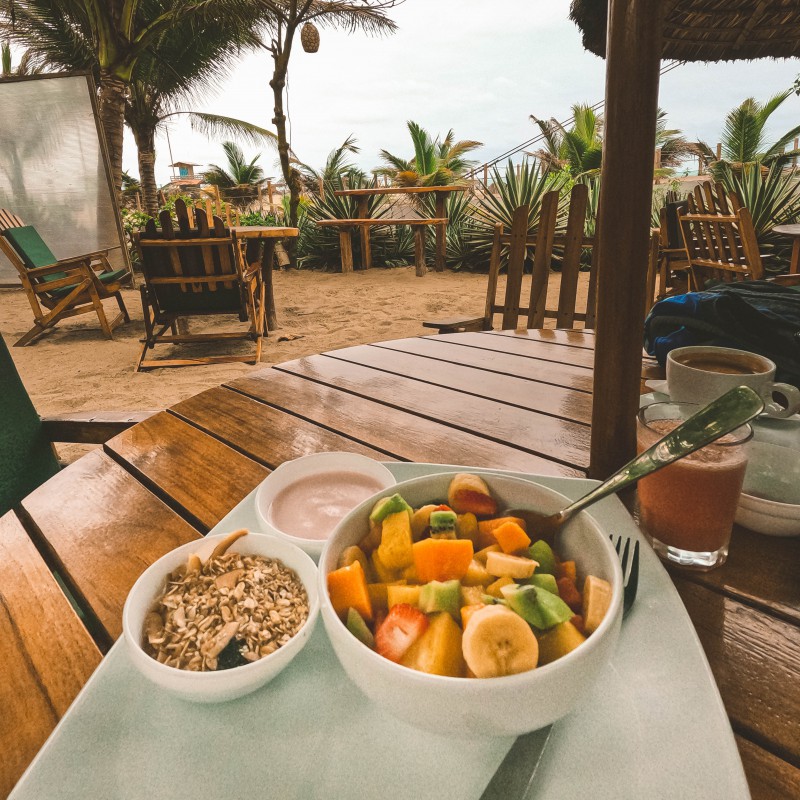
196	272
60	289
673	262
27	458
543	241
720	239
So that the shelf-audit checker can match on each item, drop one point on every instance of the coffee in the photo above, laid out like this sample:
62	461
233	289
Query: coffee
723	365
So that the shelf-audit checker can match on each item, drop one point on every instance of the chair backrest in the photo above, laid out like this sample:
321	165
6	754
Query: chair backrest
722	247
547	237
192	269
26	456
25	248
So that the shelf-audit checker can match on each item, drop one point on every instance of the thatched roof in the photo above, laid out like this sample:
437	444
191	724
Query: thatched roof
708	30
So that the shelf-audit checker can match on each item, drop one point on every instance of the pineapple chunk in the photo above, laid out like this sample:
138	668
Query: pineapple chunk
471	595
482	555
395	547
396	594
493	589
514	566
378	594
596	600
559	641
476	575
384	574
438	650
467	527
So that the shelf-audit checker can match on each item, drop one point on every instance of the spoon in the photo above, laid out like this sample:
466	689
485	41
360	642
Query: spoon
721	416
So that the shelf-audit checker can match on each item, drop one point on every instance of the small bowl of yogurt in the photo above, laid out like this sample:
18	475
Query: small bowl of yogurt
303	500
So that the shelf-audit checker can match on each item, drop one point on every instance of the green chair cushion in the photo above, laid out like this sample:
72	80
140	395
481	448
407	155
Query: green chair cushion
174	301
104	277
26	457
32	250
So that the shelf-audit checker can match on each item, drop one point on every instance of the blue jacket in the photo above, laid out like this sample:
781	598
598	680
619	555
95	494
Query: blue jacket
759	316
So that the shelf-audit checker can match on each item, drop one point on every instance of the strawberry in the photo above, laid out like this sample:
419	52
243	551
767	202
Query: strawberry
403	625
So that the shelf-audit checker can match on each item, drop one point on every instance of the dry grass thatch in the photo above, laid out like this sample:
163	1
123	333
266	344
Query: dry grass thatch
708	30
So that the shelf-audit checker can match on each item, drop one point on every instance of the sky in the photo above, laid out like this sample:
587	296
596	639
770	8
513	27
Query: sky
479	68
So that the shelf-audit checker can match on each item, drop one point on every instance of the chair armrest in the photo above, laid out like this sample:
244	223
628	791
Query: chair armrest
40	272
89	427
787	280
457	324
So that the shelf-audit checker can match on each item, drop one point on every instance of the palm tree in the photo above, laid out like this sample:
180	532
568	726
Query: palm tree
287	17
579	148
336	166
674	147
240	172
110	37
436	162
176	68
744	139
27	63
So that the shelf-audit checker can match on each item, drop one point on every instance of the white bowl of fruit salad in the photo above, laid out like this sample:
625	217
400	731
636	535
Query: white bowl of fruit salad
455	618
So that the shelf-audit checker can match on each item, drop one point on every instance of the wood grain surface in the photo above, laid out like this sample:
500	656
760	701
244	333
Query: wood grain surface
45	652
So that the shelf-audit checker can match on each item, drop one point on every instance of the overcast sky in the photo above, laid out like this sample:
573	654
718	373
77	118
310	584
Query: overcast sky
479	68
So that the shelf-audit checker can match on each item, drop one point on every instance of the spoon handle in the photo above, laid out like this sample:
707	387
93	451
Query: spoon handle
721	416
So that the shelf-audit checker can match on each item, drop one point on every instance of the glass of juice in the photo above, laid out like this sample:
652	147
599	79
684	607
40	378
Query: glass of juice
686	510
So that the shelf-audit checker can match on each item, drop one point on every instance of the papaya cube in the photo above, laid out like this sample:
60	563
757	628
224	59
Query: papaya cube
347	587
486	529
442	559
395	547
438	650
511	537
468	611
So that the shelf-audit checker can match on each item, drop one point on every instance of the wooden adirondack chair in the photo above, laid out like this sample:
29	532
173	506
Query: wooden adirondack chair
542	242
57	289
195	272
719	237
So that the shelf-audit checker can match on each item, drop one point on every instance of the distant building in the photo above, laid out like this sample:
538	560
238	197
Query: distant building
185	174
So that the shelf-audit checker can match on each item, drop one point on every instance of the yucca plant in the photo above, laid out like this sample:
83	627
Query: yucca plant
773	198
509	191
579	148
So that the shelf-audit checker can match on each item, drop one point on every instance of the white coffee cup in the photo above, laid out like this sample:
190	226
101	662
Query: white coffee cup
700	374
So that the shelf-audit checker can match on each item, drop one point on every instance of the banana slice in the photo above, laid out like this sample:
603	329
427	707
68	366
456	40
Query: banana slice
499	642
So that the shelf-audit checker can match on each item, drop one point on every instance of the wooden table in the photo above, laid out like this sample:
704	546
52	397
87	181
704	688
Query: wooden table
440	193
794	232
519	401
269	236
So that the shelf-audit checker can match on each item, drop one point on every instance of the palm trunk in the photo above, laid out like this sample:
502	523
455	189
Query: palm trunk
145	145
112	108
290	174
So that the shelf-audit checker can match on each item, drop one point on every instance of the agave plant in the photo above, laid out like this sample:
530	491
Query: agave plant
509	191
436	162
773	198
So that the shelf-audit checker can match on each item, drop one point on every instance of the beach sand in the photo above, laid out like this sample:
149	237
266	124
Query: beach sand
74	368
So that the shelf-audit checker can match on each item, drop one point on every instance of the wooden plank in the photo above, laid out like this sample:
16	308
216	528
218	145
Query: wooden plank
770	778
346	249
379	426
552	438
760	570
542	259
571	263
266	434
45	651
570	338
521	392
90	427
515	268
399	190
193	472
102	529
521	345
379	222
535	369
755	659
419	252
441	232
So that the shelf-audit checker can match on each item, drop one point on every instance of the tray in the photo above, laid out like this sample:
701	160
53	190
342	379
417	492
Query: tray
653	727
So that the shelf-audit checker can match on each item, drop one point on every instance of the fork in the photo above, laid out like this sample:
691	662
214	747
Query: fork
630	576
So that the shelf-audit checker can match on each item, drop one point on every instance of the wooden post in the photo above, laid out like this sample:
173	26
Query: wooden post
419	250
441	233
260	207
657	159
632	72
219	201
362	212
486	175
321	189
719	151
209	211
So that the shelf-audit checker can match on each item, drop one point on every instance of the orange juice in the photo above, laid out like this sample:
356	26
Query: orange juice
690	505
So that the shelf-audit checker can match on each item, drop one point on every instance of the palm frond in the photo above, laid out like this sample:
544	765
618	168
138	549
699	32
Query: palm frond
215	125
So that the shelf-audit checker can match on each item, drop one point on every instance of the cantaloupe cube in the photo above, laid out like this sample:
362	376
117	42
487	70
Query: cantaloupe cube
442	559
559	641
487	527
467	612
395	547
438	650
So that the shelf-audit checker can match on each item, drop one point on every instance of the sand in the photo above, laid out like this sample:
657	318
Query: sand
75	368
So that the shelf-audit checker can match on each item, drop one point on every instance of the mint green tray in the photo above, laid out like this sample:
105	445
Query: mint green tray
654	727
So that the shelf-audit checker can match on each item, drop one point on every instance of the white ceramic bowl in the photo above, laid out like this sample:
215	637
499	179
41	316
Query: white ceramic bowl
770	499
304	467
215	687
481	707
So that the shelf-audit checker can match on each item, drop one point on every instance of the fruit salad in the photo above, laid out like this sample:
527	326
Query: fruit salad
454	589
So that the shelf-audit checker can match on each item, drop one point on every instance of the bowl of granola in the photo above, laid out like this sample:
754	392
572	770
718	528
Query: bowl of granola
220	617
